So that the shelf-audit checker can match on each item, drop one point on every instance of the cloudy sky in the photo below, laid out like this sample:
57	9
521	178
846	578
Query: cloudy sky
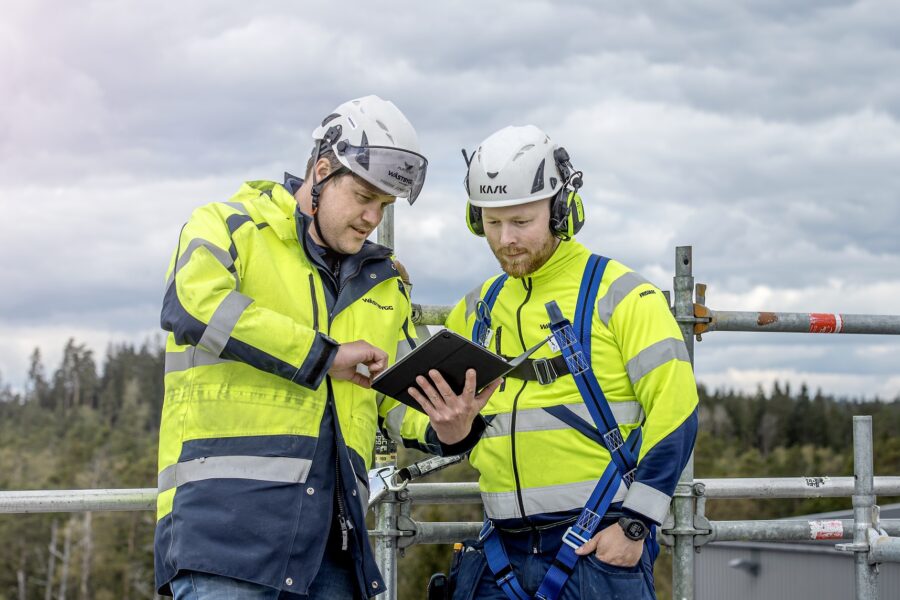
765	134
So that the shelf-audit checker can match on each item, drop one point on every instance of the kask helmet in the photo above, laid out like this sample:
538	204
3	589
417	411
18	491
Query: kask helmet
517	165
374	140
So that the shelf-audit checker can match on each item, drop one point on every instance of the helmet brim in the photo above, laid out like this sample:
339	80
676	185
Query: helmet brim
399	173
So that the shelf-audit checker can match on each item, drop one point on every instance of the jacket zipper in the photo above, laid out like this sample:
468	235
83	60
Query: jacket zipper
515	464
315	301
343	521
497	350
512	433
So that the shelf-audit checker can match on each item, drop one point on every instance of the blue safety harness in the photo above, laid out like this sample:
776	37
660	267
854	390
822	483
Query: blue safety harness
575	345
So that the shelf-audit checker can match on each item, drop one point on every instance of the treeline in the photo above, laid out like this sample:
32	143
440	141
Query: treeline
90	425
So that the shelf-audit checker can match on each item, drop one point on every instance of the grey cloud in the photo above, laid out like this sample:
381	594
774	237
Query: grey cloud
762	133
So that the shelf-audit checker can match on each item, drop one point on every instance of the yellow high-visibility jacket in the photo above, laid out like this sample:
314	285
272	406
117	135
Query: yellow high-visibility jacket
532	466
256	441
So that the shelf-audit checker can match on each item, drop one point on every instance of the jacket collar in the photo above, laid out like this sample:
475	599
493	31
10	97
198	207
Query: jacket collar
275	204
567	254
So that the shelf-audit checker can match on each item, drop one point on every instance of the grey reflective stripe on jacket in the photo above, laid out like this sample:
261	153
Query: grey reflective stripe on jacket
553	498
393	422
472	299
218	330
616	292
220	255
537	419
655	355
264	468
647	500
190	358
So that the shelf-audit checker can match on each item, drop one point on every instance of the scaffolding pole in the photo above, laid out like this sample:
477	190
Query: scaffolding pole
107	500
723	320
863	508
684	503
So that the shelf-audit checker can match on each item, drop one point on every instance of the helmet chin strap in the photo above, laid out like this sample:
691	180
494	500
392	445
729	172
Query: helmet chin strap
316	192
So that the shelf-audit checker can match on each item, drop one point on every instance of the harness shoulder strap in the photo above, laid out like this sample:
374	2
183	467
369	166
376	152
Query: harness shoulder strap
482	327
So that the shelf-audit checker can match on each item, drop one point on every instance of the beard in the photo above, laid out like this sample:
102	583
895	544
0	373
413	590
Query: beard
340	237
525	261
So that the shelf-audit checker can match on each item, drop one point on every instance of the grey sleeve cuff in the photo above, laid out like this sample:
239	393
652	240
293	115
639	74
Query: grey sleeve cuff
647	501
317	363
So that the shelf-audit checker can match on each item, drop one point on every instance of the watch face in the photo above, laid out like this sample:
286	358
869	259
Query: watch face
635	530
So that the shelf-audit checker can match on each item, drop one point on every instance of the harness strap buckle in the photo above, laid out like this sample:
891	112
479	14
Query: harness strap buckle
575	543
613	440
544	371
505	579
577	363
628	477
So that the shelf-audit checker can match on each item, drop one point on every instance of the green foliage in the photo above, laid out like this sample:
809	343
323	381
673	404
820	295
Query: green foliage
84	428
81	429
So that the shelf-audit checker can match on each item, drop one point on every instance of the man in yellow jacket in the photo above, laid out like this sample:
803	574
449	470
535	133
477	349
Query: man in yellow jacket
273	299
586	440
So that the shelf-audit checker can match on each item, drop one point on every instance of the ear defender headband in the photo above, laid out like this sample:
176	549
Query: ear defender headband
566	207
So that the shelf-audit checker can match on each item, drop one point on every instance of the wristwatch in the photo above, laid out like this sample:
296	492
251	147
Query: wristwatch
634	529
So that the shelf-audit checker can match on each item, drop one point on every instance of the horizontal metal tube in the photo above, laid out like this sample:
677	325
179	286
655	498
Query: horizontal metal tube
49	501
445	533
430	314
444	493
789	530
722	531
793	487
726	320
45	501
886	549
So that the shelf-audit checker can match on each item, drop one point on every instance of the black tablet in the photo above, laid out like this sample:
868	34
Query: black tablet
448	352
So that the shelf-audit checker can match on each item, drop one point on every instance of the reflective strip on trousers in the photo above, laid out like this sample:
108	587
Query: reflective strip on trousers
537	419
263	468
553	498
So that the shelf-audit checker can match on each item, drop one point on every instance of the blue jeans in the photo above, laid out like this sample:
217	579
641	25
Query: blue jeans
335	580
531	554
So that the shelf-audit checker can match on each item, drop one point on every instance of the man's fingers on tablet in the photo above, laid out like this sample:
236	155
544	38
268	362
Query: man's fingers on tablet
441	384
422	400
469	387
428	389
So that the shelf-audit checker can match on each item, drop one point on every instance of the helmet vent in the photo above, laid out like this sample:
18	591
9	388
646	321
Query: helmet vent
382	125
523	150
351	121
538	184
494	174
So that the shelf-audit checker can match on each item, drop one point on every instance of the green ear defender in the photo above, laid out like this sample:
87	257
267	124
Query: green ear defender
474	219
566	214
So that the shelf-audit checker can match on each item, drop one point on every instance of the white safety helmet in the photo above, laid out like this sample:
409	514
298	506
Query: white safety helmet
513	166
373	139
